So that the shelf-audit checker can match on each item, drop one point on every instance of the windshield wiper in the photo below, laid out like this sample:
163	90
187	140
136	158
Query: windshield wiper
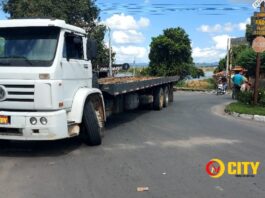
18	57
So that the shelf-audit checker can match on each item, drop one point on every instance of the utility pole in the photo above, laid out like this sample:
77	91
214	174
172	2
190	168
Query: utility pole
256	87
134	66
256	92
228	56
228	70
110	54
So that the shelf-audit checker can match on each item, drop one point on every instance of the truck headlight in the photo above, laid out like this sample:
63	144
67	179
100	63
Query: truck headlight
33	121
43	121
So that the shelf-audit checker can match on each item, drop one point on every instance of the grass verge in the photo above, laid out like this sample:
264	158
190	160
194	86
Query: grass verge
245	109
208	84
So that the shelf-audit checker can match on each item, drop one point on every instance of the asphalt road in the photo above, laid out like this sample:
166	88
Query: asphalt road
166	151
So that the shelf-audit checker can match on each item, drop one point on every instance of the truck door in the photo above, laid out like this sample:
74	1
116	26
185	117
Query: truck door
76	70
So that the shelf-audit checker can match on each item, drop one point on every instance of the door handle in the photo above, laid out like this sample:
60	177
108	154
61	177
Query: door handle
86	66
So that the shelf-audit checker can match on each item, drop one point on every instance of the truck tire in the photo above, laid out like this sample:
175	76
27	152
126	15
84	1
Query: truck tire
158	99
90	129
171	93
166	97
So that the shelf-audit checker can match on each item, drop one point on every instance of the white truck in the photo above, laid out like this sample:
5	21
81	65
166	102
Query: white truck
46	89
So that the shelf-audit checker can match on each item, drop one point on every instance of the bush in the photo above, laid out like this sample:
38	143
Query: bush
181	83
262	97
245	97
211	82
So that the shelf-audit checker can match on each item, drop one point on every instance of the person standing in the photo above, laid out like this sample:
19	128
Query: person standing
238	79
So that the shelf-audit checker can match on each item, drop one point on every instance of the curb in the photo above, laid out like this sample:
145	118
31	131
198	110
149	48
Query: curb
219	110
213	91
257	118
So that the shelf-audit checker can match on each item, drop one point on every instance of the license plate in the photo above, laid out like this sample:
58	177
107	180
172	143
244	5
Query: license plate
4	120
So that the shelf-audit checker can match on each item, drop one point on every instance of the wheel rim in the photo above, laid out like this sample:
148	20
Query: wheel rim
161	100
167	97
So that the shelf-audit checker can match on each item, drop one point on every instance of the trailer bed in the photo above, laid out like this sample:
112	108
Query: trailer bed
121	85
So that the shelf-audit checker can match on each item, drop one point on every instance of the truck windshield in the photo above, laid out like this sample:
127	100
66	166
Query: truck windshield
28	46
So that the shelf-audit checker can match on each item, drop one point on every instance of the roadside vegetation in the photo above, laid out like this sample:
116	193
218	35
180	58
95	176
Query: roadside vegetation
243	55
247	97
207	84
242	108
245	104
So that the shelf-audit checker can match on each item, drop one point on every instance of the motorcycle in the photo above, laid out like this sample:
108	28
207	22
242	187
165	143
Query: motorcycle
220	89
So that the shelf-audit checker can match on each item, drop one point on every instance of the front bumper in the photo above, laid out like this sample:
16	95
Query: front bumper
20	127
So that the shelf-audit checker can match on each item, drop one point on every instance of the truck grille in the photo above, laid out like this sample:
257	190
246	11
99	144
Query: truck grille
19	93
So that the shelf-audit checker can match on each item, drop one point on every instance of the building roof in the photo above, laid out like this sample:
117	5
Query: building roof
239	41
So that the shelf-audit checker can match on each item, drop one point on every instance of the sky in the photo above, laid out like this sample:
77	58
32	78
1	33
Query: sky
209	23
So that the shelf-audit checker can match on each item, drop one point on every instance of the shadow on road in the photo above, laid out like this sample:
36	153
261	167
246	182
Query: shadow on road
59	147
126	117
38	148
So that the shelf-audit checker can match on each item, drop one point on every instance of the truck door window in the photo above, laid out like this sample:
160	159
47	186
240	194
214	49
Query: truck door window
73	47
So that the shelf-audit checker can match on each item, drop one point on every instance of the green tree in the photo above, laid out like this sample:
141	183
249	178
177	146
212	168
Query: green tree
247	59
170	53
196	72
221	65
82	13
236	51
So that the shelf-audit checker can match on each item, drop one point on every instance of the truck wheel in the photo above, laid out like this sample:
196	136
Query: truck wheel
90	130
158	99
171	93
166	97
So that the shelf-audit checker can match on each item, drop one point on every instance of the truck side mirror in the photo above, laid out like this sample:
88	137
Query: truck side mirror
125	66
91	49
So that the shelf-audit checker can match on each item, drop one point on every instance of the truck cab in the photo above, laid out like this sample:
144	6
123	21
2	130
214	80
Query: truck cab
46	82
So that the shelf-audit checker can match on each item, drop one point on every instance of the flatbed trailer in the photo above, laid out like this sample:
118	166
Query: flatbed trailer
117	86
128	93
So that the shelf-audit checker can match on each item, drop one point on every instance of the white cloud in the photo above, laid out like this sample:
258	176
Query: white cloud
210	54
126	33
129	53
227	27
127	37
213	53
242	26
221	41
126	22
207	28
144	22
